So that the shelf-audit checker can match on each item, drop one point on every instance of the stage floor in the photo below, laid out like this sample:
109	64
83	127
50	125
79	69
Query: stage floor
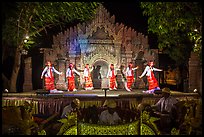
93	93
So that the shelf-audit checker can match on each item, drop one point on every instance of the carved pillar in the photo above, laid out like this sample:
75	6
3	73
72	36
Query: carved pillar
139	83
61	83
128	56
118	57
118	53
27	85
194	72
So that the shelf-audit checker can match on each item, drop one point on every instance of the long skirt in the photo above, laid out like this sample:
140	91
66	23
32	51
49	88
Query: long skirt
112	82
130	80
71	83
152	82
49	83
88	82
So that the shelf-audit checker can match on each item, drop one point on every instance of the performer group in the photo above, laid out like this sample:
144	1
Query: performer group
128	77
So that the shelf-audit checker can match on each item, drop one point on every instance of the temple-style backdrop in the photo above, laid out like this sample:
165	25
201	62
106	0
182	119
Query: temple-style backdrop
103	41
99	43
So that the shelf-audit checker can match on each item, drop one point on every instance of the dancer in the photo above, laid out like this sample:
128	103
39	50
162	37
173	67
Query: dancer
87	76
112	78
49	77
130	76
153	84
70	77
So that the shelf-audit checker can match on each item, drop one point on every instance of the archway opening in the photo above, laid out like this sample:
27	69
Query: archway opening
99	72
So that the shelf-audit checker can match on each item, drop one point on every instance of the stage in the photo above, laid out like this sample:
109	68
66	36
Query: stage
92	93
54	102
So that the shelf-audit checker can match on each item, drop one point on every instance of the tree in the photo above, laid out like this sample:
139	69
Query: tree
24	21
178	27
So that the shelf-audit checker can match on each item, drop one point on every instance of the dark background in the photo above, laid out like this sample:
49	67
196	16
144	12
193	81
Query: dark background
128	13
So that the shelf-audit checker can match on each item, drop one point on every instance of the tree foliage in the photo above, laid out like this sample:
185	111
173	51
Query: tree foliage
174	23
22	19
30	18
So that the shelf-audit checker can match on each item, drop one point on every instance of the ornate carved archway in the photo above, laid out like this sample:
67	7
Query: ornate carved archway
98	40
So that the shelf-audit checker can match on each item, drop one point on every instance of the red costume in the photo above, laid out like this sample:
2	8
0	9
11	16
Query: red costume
88	80
70	78
112	78
130	76
153	84
49	76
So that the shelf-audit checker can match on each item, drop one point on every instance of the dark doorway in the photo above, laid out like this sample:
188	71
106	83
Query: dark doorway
99	72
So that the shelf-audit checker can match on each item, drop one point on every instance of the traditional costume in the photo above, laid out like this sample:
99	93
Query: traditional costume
88	80
70	78
112	78
129	76
153	84
49	77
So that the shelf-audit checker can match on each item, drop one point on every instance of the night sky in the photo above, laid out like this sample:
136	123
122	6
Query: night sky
128	13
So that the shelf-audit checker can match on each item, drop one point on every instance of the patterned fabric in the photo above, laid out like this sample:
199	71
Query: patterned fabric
130	80
152	81
49	83
49	77
97	129
71	83
88	82
112	80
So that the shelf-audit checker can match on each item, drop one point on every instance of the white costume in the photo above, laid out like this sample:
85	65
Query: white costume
68	72
86	72
47	73
110	73
128	71
148	70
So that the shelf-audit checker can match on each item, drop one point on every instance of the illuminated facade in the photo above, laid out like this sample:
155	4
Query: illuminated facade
99	42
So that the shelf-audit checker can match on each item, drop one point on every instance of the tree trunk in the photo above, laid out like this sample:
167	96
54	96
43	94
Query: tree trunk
16	68
6	82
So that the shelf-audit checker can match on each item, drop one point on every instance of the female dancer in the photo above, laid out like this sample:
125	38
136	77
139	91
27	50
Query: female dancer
112	78
49	77
153	84
130	76
87	76
70	77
